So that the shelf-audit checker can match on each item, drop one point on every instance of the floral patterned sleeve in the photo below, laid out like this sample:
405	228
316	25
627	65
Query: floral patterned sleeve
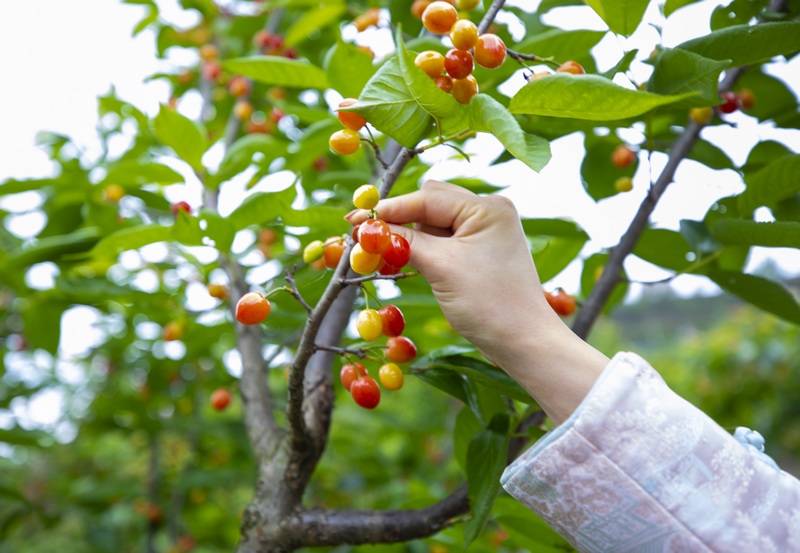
637	468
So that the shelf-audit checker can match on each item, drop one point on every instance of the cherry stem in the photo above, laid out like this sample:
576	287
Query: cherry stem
294	291
376	149
361	353
520	57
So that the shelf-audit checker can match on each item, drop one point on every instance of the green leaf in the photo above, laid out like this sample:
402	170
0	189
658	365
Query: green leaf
279	71
466	428
743	232
621	16
766	294
698	236
218	229
776	181
130	238
738	12
349	69
184	136
486	460
561	45
312	21
585	97
663	247
42	319
54	248
488	115
746	44
445	380
241	153
482	373
677	71
598	174
18	436
262	207
135	173
710	155
774	99
592	267
671	6
622	65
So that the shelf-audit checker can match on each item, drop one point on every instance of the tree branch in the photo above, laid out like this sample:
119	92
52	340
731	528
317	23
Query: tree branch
491	13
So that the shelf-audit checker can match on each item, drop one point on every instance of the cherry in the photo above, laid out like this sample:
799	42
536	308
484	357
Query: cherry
177	207
173	330
623	184
731	102
622	156
571	66
239	86
367	19
398	252
350	373
313	251
220	399
332	253
746	98
113	193
366	392
464	35
366	196
276	114
374	236
400	349
431	62
242	110
350	119
391	376
701	115
439	17
211	70
362	262
354	233
259	126
219	291
444	82
561	302
252	308
464	89
393	322
267	236
418	6
369	324
490	51
345	142
386	269
458	63
208	52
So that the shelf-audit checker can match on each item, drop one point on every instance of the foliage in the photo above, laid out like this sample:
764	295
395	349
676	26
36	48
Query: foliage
137	458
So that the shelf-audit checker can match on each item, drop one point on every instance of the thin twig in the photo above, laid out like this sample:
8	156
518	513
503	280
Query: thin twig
361	353
491	13
377	276
294	291
377	150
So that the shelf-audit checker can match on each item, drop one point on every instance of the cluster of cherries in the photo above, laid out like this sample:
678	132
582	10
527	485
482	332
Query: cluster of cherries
452	72
622	157
743	99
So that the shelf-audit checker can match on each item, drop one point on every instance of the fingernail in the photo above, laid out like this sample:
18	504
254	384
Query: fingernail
347	217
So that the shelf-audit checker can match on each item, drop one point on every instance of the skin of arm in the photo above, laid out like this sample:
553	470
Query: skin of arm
473	252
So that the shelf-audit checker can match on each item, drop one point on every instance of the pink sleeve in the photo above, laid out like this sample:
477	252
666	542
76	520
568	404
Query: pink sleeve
638	468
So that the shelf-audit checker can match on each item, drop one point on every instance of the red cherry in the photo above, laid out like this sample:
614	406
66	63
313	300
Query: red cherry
458	63
490	51
220	399
393	320
366	392
374	236
400	349
732	102
180	206
398	252
350	373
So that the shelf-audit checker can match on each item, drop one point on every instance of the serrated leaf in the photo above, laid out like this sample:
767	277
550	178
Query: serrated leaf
486	459
747	44
776	181
621	16
698	236
184	136
349	69
588	97
663	247
766	294
279	71
488	115
312	21
130	238
744	232
677	71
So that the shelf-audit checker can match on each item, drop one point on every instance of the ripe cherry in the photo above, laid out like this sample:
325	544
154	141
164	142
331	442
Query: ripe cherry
113	193
444	82
731	102
398	252
746	98
208	52
363	263
332	252
173	330
464	89
350	373
367	19
242	110
701	115
431	62
391	376
350	119
369	324
177	207
267	236
239	86
374	236
458	63
400	349
366	196
366	392
211	70
571	66
418	6
464	35
220	399
562	303
345	142
252	308
219	291
622	156
354	233
490	51
393	322
439	17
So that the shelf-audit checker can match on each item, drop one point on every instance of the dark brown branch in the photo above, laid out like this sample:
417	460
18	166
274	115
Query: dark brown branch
361	353
491	13
377	276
